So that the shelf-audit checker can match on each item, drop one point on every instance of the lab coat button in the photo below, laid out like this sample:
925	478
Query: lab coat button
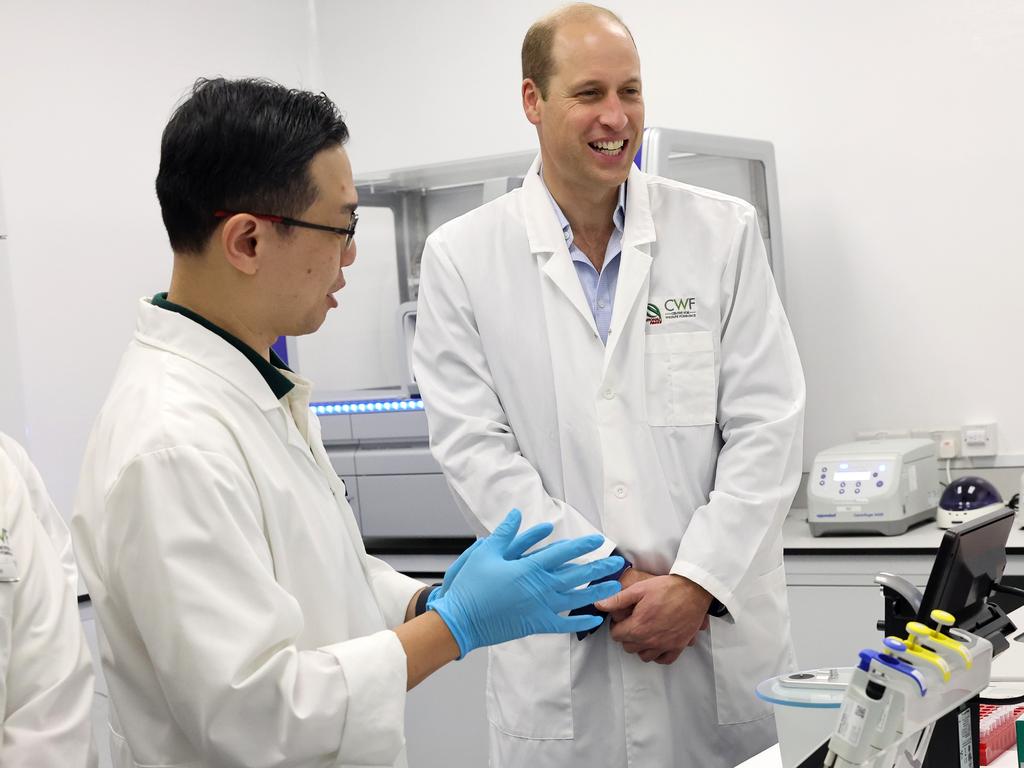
609	394
620	491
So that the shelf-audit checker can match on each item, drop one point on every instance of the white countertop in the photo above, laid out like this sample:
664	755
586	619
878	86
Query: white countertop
796	537
797	540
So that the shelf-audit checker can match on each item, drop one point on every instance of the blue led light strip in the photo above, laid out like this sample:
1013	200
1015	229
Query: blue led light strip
366	406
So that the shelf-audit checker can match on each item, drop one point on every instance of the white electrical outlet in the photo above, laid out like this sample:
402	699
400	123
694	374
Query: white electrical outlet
948	448
946	438
979	439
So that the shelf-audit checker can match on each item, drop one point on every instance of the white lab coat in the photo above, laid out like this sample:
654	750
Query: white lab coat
46	677
243	622
679	440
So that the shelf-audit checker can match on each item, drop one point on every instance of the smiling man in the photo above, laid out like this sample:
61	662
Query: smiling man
551	376
243	622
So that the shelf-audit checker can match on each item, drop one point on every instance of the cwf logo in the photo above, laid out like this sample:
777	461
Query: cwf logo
677	309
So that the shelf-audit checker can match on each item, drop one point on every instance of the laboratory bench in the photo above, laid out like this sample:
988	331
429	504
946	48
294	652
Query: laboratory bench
834	606
834	602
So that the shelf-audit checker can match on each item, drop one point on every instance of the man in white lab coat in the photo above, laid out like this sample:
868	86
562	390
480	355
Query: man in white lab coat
243	622
609	349
46	677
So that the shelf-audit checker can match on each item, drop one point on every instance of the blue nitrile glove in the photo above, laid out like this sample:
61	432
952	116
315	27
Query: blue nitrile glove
594	610
522	542
450	574
494	593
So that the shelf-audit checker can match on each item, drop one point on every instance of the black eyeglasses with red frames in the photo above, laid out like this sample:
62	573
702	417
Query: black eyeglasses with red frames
348	232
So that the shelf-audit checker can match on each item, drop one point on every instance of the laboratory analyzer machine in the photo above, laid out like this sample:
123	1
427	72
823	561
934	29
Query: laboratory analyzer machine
873	486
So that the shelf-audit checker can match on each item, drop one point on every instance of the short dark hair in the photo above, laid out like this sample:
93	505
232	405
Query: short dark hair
240	145
537	53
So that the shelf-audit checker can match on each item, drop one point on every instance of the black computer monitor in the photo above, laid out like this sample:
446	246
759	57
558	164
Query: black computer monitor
970	558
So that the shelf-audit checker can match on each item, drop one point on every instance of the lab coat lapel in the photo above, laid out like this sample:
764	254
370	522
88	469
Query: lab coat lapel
295	407
304	433
323	461
635	264
547	242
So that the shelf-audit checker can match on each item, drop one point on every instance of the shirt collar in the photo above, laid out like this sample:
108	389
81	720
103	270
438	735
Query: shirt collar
618	217
270	371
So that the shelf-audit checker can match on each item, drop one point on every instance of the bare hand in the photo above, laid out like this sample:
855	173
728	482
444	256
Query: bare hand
632	576
664	615
671	656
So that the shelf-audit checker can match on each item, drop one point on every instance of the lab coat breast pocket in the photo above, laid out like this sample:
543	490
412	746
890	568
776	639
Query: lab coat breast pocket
528	688
745	654
680	379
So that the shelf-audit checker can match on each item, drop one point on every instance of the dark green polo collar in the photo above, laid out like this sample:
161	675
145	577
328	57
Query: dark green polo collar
277	381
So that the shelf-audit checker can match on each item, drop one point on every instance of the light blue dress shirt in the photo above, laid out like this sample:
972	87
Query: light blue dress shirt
598	287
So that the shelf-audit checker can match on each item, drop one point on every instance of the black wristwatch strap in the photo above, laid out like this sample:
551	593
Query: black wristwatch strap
421	600
716	609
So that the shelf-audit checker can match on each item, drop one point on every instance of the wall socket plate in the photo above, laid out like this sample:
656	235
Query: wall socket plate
979	439
947	440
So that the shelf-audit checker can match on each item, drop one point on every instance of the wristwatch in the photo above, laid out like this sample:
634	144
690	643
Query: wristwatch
716	609
421	600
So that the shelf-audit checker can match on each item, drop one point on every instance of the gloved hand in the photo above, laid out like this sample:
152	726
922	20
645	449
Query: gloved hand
453	570
523	542
494	593
593	610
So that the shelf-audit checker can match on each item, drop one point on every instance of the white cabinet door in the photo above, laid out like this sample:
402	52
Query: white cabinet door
445	721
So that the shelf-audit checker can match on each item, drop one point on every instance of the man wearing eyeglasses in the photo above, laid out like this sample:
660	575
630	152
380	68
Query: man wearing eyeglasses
243	622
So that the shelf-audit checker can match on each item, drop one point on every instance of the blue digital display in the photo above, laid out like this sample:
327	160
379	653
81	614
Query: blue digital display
366	406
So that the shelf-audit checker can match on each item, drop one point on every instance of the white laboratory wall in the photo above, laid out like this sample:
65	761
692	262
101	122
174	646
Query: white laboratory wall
897	134
896	129
12	405
359	346
85	91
